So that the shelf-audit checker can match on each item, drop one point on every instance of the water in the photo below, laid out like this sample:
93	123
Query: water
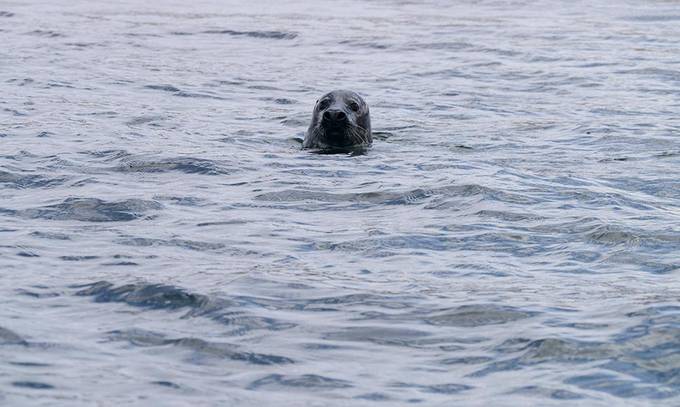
511	238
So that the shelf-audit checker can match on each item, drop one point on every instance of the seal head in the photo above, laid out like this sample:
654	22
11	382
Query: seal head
340	123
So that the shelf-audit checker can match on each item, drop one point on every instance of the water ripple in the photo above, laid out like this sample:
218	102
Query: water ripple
92	210
143	338
278	35
510	238
8	337
13	180
188	165
158	296
306	382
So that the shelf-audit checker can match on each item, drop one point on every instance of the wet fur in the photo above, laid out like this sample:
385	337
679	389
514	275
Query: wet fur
355	134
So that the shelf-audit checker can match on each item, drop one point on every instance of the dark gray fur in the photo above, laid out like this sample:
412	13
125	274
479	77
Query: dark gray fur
340	123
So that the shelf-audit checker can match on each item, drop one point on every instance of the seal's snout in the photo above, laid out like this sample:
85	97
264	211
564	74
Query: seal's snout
334	116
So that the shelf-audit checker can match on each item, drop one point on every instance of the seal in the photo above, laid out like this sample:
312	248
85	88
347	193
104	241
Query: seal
340	123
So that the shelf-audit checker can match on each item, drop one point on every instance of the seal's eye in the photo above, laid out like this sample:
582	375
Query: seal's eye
353	105
324	104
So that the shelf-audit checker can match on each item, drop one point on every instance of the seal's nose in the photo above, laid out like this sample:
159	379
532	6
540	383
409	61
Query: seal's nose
334	115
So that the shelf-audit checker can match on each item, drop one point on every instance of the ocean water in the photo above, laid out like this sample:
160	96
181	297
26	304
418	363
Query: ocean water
512	238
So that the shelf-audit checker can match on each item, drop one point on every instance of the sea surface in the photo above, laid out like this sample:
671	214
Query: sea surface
512	238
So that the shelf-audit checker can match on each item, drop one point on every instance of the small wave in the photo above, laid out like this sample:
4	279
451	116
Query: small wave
364	44
306	382
617	386
181	93
358	299
159	296
284	101
183	200
566	350
589	197
36	293
46	33
143	120
16	113
211	349
6	14
165	88
59	84
384	246
84	44
379	335
443	45
414	196
393	245
467	360
478	315
373	397
8	337
107	155
78	258
509	216
32	385
30	364
198	95
654	18
611	235
555	394
447	388
187	165
121	263
263	87
21	181
669	75
290	121
155	296
51	235
166	383
616	235
655	157
546	350
92	210
638	362
185	244
387	198
278	35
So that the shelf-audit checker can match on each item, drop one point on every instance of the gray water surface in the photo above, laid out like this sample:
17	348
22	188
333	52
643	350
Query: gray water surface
512	237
